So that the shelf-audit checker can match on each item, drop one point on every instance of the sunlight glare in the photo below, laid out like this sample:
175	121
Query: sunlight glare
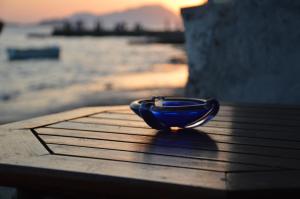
177	4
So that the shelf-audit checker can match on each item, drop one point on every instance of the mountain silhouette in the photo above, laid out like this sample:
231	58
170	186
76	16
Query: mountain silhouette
151	16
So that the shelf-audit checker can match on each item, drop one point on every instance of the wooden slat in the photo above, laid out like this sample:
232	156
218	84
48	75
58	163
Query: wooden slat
262	108
224	114
145	148
259	120
131	179
111	115
251	127
117	122
240	117
258	115
19	144
283	135
254	110
232	114
213	123
54	118
232	125
144	131
151	159
195	140
228	118
105	128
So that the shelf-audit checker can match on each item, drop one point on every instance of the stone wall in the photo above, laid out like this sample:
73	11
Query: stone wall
245	51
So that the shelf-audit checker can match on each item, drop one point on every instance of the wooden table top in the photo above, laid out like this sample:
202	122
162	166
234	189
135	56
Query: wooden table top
244	151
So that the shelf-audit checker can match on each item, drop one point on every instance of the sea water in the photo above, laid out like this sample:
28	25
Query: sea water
34	87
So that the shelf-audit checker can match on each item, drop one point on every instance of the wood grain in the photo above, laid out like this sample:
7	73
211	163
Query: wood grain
274	162
196	140
58	117
151	159
78	174
19	144
220	117
213	123
259	111
292	136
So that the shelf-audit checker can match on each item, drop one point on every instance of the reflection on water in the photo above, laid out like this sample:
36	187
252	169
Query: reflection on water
91	71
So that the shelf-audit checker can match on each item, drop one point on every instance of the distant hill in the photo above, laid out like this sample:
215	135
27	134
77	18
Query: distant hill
151	16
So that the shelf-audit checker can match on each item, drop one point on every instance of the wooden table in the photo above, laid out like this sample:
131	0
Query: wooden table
108	151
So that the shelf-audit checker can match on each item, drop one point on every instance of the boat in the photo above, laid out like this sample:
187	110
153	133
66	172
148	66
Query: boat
33	53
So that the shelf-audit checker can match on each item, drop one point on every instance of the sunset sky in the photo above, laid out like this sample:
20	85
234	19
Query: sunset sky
27	11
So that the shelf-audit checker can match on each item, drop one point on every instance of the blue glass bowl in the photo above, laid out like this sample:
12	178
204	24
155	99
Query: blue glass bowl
167	112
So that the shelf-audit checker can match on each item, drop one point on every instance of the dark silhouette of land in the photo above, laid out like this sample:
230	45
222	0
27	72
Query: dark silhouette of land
154	22
120	29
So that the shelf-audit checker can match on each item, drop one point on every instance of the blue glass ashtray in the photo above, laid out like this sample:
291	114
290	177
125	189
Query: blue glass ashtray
168	112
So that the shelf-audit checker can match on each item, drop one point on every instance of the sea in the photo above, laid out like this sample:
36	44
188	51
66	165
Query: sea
90	71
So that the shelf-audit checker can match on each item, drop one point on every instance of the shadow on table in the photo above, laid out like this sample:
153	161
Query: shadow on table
183	142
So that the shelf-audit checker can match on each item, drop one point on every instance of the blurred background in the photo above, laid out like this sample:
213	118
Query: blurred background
58	55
